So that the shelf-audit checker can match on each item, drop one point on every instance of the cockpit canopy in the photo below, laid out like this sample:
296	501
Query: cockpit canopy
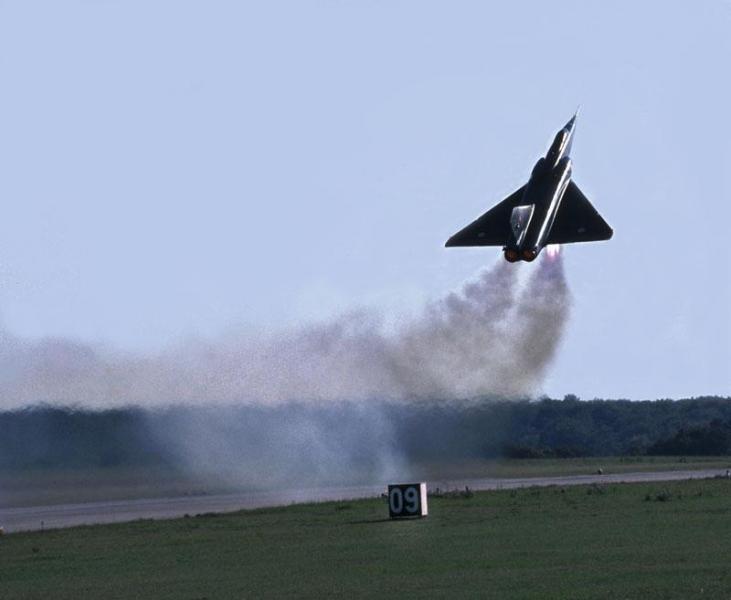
520	220
560	147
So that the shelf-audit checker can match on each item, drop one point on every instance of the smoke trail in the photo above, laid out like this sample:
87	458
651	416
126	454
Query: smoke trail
314	397
492	338
543	314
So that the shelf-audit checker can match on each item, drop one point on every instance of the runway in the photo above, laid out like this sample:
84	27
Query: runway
69	515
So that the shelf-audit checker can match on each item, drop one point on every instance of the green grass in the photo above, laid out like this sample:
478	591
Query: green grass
668	540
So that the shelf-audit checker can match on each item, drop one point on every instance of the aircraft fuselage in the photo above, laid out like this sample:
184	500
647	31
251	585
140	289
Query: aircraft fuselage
531	221
549	209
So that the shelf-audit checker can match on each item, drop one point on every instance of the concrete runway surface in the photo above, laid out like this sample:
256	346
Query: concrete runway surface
68	515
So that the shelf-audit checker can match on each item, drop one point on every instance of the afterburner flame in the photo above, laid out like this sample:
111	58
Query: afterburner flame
553	251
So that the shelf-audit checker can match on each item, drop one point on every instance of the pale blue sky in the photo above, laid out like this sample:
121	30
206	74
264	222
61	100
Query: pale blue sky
180	168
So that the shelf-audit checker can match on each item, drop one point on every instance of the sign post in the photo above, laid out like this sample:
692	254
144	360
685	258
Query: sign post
407	500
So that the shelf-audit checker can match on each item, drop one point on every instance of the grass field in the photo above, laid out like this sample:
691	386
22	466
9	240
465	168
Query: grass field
617	541
59	486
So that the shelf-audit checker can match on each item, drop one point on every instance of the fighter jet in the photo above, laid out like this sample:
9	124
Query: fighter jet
549	209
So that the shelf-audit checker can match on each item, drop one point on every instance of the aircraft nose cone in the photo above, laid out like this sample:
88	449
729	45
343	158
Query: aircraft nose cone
572	122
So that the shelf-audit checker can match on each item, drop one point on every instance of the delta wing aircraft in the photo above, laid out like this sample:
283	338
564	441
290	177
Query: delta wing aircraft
549	209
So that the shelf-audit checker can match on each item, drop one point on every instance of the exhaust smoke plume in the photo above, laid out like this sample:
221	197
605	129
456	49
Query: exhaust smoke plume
492	338
310	406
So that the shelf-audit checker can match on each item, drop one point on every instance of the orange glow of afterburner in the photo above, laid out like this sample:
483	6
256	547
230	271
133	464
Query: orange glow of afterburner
553	251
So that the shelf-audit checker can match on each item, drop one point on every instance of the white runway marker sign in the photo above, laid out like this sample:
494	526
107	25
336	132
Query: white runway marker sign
407	500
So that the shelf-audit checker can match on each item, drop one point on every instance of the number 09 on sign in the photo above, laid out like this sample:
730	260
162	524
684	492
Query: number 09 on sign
407	500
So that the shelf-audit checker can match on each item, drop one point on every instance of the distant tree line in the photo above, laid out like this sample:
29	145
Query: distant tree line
571	428
65	437
48	436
